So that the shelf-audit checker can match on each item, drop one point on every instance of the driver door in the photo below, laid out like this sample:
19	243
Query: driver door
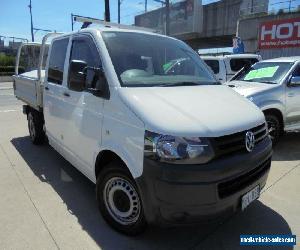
293	102
83	109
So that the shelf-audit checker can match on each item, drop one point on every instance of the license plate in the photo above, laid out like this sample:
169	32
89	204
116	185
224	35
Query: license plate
249	197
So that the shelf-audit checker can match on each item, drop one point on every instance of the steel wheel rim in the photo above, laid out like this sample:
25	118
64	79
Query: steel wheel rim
31	127
120	185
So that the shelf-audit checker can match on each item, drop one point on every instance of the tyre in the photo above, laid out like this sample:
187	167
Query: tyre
35	127
274	127
119	201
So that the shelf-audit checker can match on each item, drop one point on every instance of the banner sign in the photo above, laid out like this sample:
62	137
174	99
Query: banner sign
283	33
238	46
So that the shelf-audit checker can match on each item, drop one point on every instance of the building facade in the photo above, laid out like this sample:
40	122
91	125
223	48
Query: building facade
271	36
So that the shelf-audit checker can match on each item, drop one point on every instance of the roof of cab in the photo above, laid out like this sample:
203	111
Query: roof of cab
101	28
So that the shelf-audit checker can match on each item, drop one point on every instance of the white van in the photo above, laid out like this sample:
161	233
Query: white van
225	67
143	118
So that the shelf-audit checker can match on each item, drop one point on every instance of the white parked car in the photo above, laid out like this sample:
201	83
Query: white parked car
143	118
225	67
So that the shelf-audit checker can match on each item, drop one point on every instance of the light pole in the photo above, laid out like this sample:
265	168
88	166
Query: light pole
119	11
31	22
167	4
167	17
107	11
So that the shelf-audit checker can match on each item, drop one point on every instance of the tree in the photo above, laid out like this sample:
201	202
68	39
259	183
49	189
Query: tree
281	11
7	60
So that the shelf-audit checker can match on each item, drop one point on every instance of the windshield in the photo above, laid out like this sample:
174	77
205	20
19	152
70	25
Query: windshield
151	60
265	72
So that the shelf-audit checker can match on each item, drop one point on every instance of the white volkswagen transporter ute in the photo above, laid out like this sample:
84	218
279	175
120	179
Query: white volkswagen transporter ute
163	141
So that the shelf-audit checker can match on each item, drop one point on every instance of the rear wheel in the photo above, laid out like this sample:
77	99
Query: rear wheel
274	127
119	201
35	127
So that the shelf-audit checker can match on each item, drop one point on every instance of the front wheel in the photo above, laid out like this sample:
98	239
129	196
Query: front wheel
119	201
273	127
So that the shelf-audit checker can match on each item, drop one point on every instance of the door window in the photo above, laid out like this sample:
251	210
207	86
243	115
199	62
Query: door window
214	65
57	60
84	49
296	72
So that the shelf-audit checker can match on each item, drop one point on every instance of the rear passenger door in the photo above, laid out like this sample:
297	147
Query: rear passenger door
53	90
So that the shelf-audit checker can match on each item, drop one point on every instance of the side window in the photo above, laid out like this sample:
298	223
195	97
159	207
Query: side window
84	49
214	65
296	72
57	60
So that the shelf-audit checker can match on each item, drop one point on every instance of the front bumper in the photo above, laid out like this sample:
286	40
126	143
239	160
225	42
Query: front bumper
185	194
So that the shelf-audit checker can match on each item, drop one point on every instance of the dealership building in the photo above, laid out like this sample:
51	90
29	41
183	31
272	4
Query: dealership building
214	25
271	35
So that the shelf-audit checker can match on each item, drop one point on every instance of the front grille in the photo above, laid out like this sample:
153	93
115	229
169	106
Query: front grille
234	185
229	144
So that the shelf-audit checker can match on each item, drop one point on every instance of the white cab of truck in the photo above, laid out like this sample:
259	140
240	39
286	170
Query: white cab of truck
225	67
143	118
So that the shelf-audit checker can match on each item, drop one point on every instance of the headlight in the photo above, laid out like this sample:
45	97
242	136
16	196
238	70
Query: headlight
178	150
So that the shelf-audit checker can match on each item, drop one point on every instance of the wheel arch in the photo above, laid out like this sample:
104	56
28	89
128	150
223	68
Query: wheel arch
105	157
277	113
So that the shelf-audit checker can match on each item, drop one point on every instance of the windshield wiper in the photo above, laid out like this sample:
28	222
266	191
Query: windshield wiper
243	80
268	82
188	84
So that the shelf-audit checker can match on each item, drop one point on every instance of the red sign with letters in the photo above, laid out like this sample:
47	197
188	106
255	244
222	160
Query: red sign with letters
283	33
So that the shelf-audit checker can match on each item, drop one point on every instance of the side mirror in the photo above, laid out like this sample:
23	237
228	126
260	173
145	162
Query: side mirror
295	81
98	84
77	75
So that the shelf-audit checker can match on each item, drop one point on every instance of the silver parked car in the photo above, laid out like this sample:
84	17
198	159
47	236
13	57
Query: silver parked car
274	86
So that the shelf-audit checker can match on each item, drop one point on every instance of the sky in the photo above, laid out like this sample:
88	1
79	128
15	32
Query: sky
55	14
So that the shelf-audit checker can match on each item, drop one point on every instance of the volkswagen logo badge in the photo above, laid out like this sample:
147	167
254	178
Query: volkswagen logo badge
249	141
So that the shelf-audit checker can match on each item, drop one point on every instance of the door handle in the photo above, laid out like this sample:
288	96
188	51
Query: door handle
66	94
46	88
